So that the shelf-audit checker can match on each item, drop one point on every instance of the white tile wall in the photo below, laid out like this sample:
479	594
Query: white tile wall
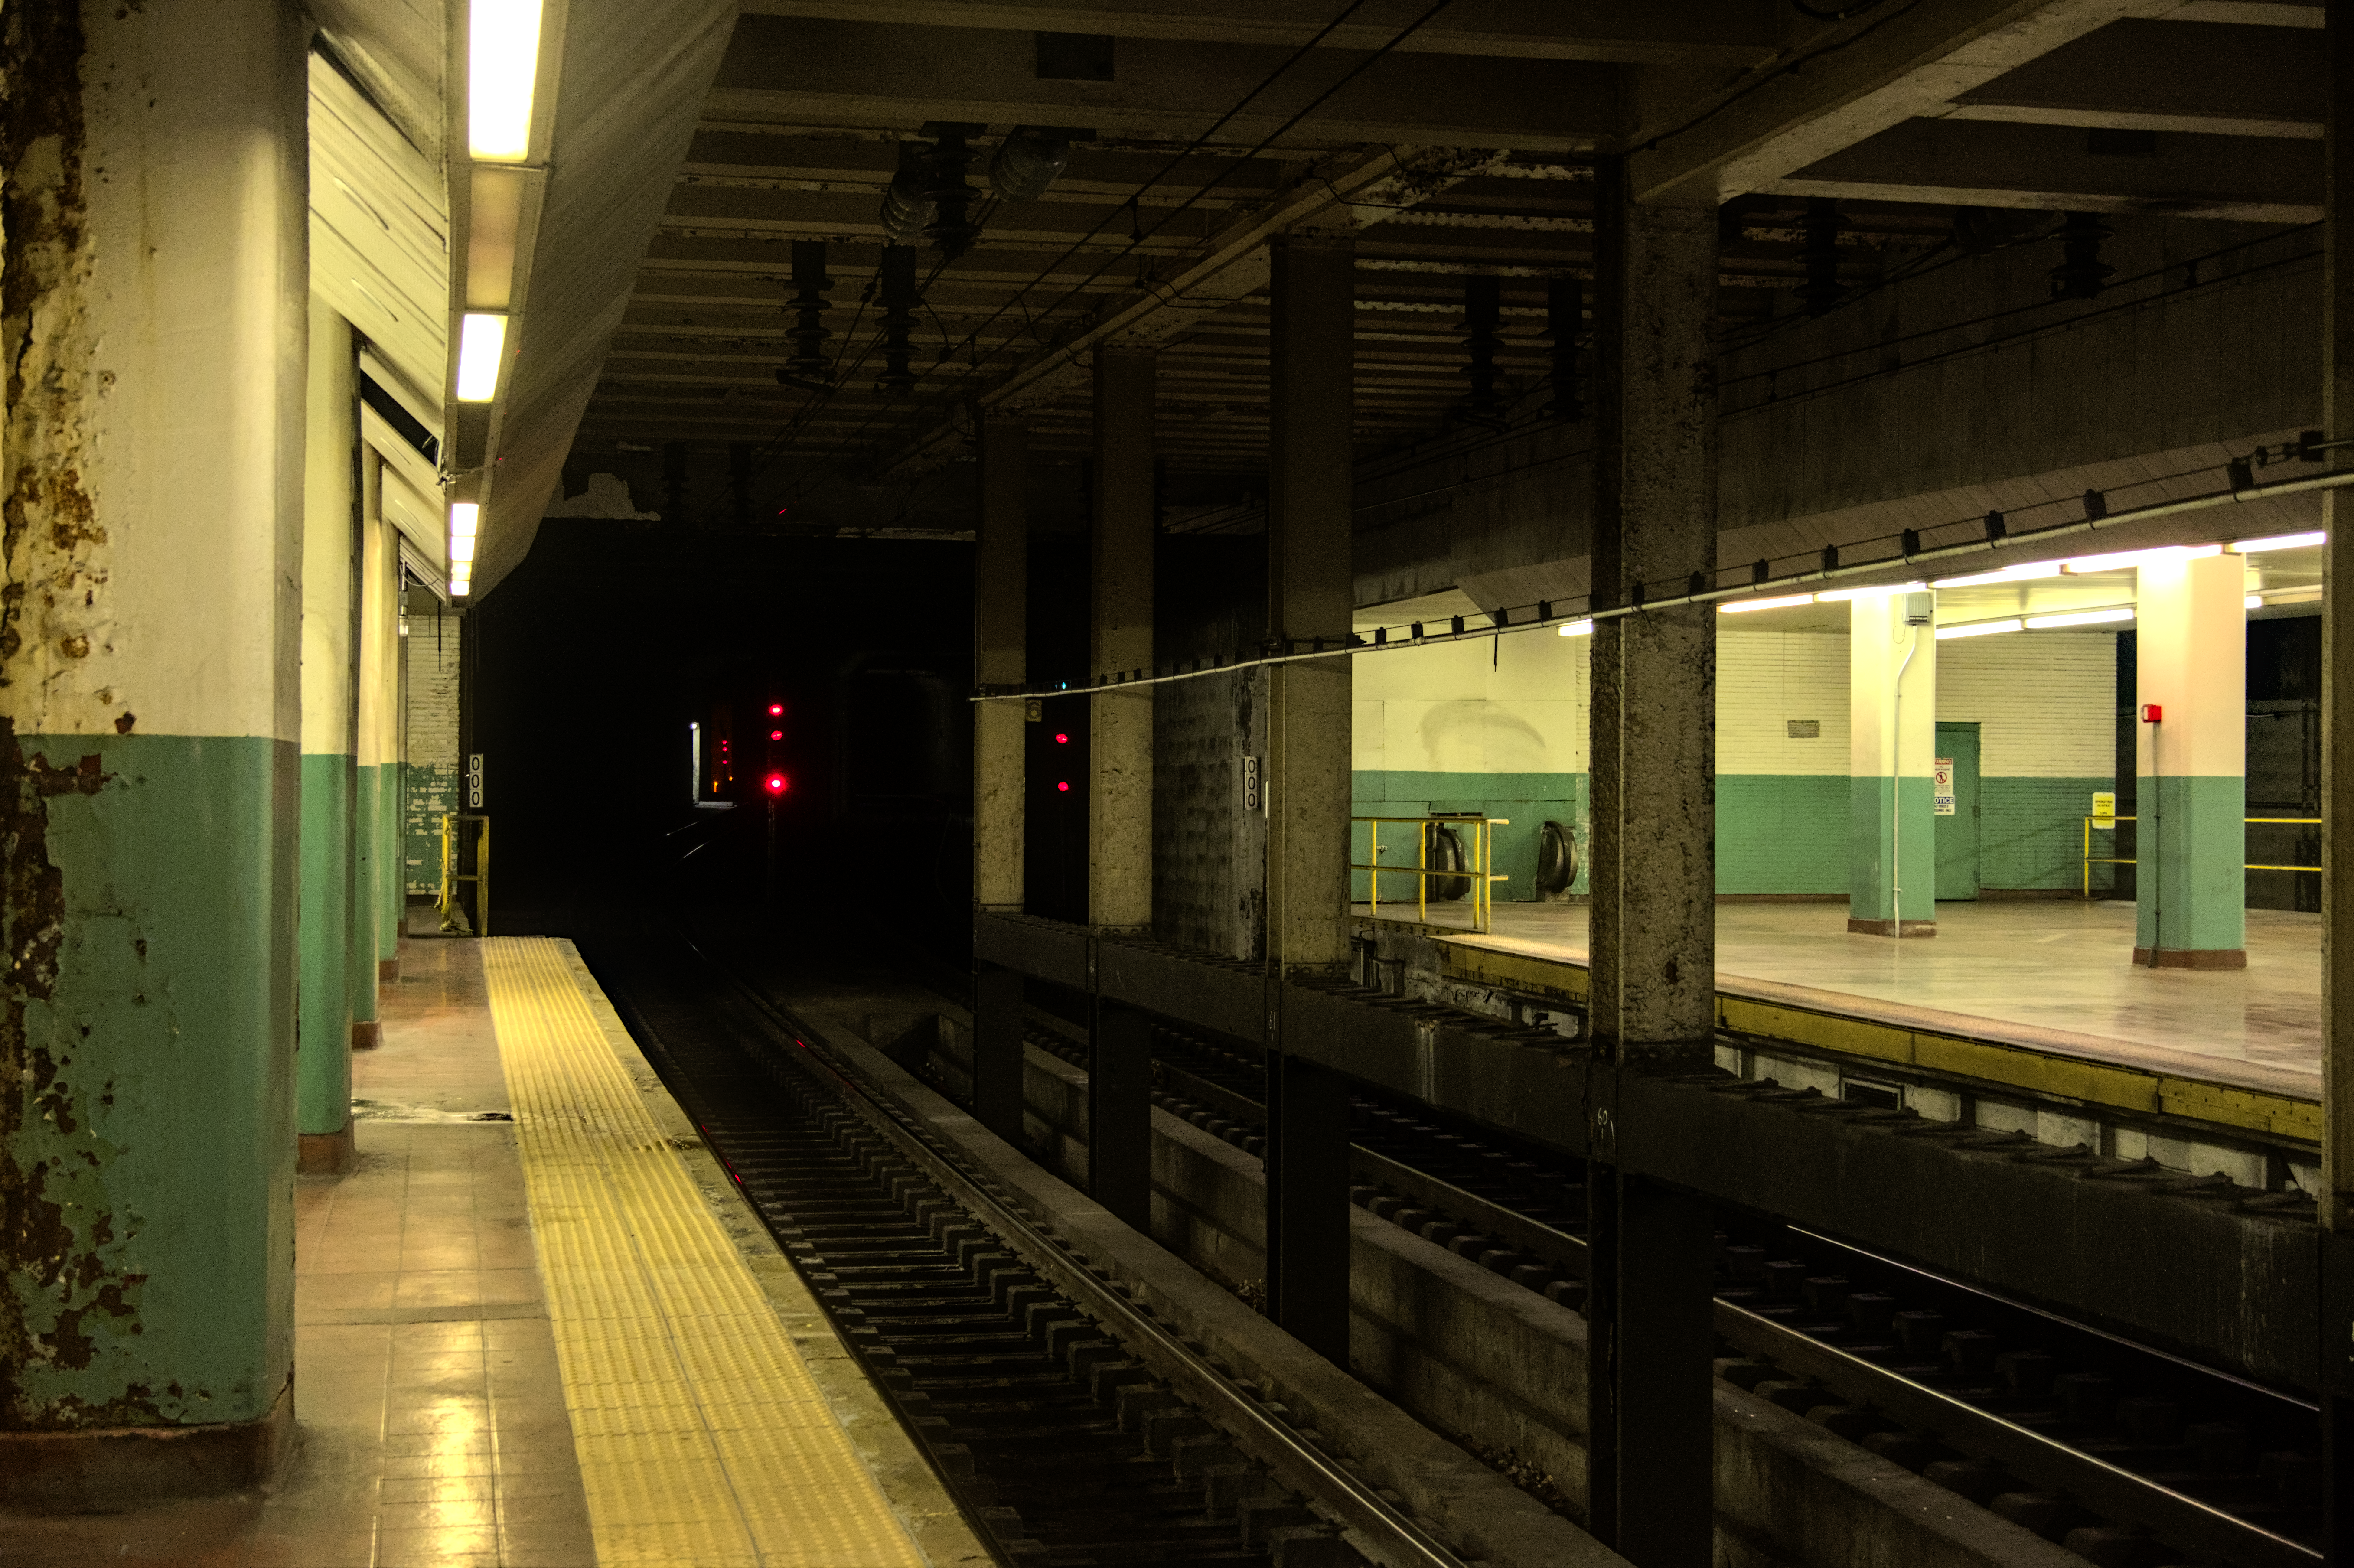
1764	678
2046	700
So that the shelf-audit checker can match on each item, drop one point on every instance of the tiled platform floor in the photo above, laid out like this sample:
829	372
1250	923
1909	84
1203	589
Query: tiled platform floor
2048	973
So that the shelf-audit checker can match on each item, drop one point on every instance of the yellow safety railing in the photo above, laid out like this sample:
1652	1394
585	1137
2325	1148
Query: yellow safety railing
452	857
1479	855
2092	860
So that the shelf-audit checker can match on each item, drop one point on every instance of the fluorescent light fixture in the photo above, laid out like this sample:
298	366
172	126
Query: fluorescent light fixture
1577	628
502	66
1836	595
2124	559
1786	601
461	551
2078	618
481	345
2021	574
1979	629
465	516
2278	542
2255	602
461	587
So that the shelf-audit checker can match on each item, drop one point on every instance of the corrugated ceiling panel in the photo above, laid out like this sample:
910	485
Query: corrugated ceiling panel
379	231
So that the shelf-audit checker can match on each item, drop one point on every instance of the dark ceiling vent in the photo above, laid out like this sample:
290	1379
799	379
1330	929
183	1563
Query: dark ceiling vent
1074	57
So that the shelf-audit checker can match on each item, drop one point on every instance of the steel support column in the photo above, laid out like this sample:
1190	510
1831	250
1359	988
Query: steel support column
1310	588
1654	852
1119	1114
999	662
2336	1327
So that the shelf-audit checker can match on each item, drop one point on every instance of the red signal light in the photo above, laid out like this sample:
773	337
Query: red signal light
1065	789
776	782
776	710
1062	740
776	735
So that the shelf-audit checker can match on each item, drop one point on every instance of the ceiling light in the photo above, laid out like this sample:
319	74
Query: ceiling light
465	516
1981	629
1787	601
2078	618
2123	560
1577	628
1835	596
2020	574
2278	542
2255	602
481	344
501	66
461	550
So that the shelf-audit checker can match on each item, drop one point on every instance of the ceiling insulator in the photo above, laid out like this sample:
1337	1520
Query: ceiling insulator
898	320
907	211
2082	275
1821	292
1483	312
1028	161
807	368
1564	320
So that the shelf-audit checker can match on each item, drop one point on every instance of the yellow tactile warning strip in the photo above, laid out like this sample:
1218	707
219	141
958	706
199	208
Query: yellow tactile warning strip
2119	1087
703	1441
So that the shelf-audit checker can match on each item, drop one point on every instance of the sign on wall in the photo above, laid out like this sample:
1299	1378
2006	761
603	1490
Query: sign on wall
1941	786
473	781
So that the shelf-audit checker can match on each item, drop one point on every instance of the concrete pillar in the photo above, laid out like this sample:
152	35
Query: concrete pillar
1892	824
150	738
371	698
1653	1006
1310	595
1000	732
2190	840
329	573
1120	736
392	890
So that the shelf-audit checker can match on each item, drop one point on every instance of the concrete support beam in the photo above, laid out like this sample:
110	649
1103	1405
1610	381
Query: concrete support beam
330	764
1851	80
1000	611
150	747
1652	1001
2335	1330
1892	738
1313	355
1119	732
2191	668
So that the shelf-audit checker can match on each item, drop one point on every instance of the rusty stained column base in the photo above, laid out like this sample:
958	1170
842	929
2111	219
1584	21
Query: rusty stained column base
387	970
326	1153
367	1035
2191	958
1891	927
105	1470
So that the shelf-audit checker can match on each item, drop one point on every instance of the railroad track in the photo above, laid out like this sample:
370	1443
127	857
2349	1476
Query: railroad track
1070	1425
2124	1454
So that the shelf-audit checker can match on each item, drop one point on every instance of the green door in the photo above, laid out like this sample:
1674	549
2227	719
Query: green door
1957	818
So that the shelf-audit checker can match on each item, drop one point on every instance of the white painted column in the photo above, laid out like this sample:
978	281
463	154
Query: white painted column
1892	743
2190	843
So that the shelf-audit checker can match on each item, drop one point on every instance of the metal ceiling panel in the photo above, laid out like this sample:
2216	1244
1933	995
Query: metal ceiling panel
632	81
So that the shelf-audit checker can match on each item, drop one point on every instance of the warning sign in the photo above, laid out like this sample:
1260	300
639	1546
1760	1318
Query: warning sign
1941	786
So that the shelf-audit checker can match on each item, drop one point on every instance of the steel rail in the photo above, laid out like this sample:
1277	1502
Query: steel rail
1377	1527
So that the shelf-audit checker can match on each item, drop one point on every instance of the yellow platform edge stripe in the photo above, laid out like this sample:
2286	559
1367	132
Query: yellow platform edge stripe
702	1440
1996	1062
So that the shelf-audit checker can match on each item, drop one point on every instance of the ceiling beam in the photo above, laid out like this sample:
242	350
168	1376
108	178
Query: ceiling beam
1850	82
2048	168
1733	33
2151	76
788	71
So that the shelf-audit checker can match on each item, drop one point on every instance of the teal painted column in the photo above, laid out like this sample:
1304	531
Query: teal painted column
150	713
330	570
2192	663
371	856
1892	738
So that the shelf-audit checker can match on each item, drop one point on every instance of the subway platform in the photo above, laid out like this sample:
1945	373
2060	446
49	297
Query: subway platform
2054	976
538	1328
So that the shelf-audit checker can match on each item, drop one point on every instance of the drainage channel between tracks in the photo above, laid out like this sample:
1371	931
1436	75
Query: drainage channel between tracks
1072	1427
